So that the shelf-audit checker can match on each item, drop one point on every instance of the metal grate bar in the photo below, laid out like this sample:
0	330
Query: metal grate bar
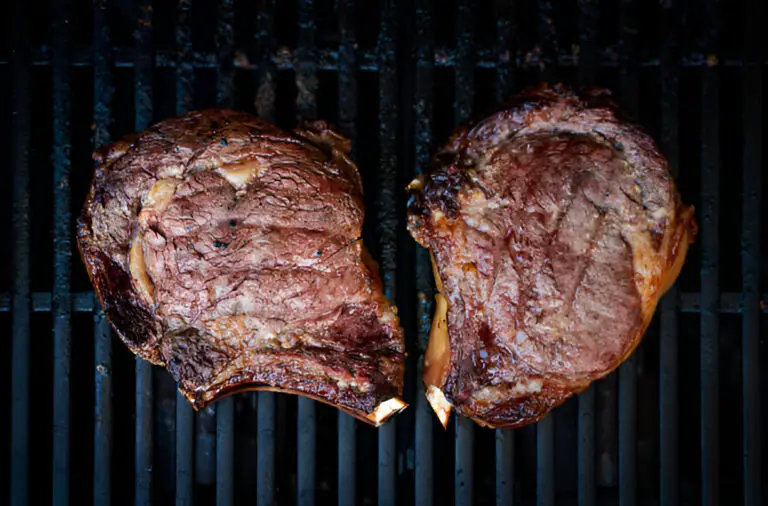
225	410
387	220
306	76
21	301
750	250
307	448
265	441
589	15
464	72
505	466
605	430
465	473
423	107
225	47
62	251
505	81
627	371
668	348
144	64
265	107
710	283
464	96
185	432
546	50
102	437
265	71
102	81
306	107
143	82
102	429
546	39
505	26
327	59
586	448
589	12
545	462
225	449
185	73
347	14
185	419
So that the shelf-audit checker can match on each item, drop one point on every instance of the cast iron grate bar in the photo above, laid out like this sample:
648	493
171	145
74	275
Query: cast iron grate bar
306	107
102	334
306	455
627	419
62	254
265	442
589	13
225	411
586	448
750	250
505	80
505	48
185	73
225	48
668	347
505	466
185	417
143	82
423	107
589	16
21	302
464	75
545	462
546	39
102	437
327	59
265	107
225	449
710	258
546	49
387	220
347	13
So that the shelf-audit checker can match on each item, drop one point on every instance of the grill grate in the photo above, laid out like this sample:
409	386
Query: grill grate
679	423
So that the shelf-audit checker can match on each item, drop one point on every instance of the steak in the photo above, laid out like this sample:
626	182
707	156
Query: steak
554	227
229	251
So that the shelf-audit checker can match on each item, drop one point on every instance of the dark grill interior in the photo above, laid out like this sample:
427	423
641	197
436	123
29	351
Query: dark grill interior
679	423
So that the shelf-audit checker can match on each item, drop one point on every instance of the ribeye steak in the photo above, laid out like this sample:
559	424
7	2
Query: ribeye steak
554	228
229	251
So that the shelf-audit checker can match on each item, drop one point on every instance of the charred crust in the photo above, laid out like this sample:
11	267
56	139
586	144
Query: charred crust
134	323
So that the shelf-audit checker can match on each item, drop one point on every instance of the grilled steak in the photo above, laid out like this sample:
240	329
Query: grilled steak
229	251
554	228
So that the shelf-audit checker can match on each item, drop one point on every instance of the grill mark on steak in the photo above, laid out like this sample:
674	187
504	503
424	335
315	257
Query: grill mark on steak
587	259
572	222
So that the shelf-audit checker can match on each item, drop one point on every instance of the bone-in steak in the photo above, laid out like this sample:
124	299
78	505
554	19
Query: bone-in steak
554	229
229	251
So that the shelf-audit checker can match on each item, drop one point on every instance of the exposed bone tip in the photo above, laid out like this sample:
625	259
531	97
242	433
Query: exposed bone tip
416	185
440	404
386	409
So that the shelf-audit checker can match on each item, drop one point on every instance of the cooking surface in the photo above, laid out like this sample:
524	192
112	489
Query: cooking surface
679	423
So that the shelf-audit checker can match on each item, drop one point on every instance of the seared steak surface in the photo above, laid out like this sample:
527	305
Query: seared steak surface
554	228
229	251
